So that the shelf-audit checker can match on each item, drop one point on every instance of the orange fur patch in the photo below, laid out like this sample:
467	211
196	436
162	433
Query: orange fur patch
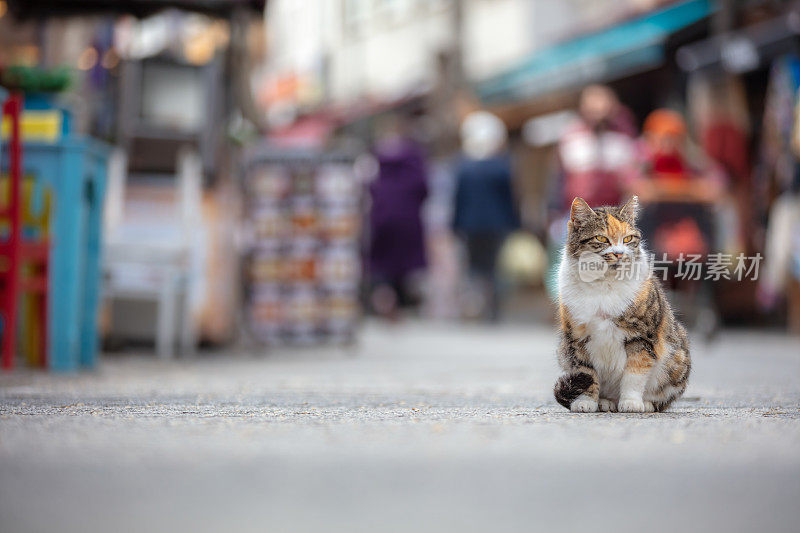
660	346
617	229
640	363
644	292
678	367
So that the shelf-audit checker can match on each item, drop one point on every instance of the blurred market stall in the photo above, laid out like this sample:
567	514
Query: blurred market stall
159	88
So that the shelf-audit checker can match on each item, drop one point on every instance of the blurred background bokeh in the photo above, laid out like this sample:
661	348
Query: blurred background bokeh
226	173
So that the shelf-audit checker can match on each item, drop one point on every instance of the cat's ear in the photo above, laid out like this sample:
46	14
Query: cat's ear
580	211
630	210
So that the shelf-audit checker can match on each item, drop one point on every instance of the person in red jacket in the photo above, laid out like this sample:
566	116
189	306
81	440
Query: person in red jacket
597	153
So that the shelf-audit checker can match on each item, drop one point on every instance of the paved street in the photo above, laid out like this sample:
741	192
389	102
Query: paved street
418	428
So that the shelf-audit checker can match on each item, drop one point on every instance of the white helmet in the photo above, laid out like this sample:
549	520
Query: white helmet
482	134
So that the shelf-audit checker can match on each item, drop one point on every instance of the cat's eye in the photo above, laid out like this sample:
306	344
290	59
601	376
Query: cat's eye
600	238
627	239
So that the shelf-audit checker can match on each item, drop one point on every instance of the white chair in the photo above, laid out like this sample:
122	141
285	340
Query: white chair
155	257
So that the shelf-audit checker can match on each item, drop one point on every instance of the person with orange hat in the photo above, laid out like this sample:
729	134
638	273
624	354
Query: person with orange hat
679	187
671	170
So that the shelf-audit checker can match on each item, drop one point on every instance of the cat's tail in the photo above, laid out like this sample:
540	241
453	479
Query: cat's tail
570	386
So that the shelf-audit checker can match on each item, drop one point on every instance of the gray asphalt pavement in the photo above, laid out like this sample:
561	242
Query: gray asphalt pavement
420	427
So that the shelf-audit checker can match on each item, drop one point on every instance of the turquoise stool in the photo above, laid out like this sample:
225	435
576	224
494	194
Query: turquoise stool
74	169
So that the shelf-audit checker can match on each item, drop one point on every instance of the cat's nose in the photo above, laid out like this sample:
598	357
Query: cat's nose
618	255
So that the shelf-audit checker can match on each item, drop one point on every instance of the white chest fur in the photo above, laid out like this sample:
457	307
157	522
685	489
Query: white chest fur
602	299
595	305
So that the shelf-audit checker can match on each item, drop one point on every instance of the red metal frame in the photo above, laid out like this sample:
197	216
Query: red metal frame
14	251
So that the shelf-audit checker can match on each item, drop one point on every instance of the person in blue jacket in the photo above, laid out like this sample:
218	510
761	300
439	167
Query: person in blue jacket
484	212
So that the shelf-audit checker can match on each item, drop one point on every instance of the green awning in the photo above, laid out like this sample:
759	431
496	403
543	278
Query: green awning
633	46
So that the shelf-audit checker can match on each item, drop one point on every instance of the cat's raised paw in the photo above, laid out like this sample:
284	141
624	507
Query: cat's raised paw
631	405
583	404
607	405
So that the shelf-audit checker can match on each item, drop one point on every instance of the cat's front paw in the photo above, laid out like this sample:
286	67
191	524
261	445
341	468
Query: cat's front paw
583	404
607	405
631	405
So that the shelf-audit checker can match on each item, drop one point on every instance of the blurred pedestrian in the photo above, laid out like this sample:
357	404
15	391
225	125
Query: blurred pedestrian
595	159
484	212
596	154
682	193
397	241
781	278
670	157
679	188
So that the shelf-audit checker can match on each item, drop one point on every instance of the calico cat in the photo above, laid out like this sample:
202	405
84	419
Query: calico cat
621	347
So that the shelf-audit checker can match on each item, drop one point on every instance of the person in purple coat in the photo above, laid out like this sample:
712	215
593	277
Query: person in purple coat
397	238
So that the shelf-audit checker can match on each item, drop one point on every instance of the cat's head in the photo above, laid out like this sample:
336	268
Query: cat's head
609	232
